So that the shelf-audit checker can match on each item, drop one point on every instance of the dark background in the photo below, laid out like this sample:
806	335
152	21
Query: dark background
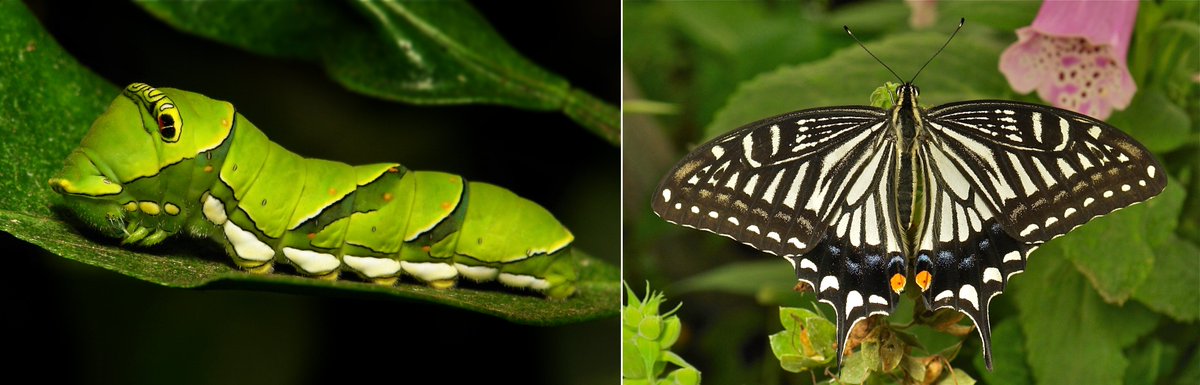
95	326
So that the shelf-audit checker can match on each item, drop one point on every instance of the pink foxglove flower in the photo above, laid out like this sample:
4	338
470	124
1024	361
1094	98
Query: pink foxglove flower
1074	55
923	13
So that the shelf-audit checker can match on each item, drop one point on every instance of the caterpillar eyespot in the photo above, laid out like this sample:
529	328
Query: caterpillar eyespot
379	221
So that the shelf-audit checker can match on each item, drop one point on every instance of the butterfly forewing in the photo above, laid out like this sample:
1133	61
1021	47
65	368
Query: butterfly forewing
813	186
1004	177
1047	170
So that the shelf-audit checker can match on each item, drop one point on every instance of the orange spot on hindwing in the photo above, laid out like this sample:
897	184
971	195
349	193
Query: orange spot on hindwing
924	279
387	197
208	169
898	282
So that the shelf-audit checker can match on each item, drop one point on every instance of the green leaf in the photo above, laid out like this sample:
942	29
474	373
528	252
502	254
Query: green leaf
1170	288
1150	362
1071	334
1154	121
849	75
179	267
646	346
1116	251
1008	356
806	342
745	278
858	366
41	124
416	52
957	377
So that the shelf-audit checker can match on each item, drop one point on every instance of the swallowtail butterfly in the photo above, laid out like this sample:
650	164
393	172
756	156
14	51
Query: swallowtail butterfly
854	196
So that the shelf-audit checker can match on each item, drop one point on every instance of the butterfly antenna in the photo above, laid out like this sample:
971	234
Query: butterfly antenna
860	44
935	54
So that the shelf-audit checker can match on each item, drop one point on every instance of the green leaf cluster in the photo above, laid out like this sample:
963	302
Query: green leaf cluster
1115	300
646	337
417	52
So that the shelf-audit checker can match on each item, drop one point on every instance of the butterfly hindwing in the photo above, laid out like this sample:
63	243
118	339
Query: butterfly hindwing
812	186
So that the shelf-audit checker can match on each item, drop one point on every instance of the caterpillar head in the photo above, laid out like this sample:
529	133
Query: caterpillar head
134	165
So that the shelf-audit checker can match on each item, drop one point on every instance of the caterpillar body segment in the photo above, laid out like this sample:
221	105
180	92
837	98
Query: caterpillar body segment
162	161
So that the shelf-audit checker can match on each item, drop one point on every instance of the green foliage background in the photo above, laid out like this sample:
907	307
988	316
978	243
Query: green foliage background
1114	302
59	70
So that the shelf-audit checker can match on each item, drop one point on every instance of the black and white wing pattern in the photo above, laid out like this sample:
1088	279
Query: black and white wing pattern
1001	178
815	187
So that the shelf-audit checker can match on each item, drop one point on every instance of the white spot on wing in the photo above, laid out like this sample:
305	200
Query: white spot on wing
943	295
968	293
798	244
1094	132
718	152
1012	256
1028	229
1037	126
769	194
853	300
750	184
666	194
1022	174
789	200
1065	168
872	225
807	264
877	300
829	282
991	274
1150	171
774	139
747	150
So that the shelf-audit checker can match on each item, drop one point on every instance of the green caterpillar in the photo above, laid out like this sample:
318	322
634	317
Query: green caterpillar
161	161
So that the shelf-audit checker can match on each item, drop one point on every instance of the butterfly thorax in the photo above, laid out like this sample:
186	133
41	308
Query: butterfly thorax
906	123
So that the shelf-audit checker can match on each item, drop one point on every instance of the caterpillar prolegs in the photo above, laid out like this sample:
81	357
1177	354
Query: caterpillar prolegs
162	161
